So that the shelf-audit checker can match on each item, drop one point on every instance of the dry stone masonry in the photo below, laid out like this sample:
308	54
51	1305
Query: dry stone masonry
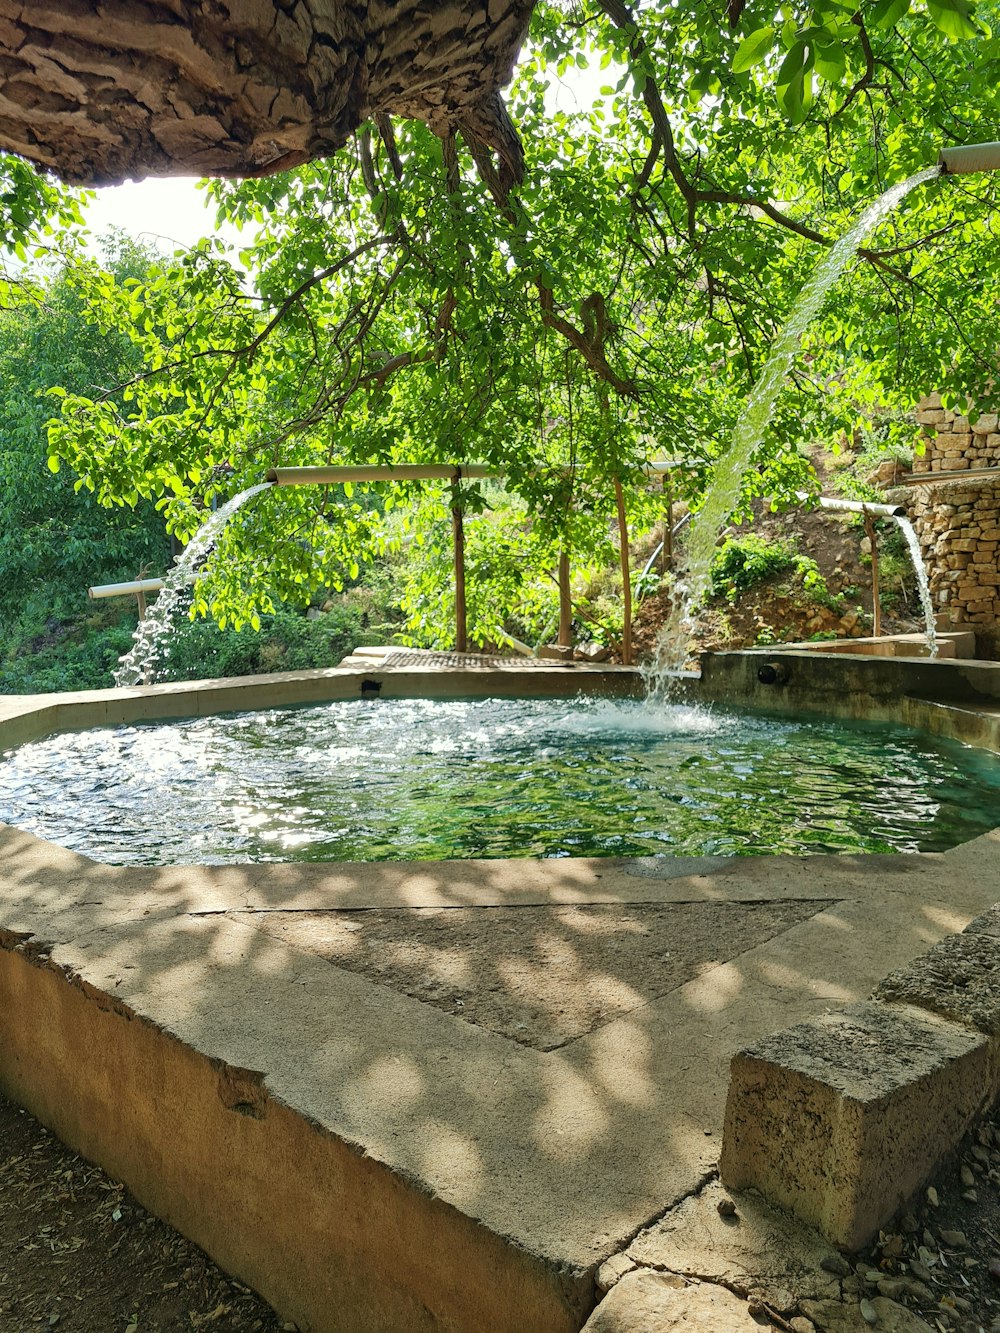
958	519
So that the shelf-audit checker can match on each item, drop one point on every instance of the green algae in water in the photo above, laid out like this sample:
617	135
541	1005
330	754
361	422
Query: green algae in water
426	779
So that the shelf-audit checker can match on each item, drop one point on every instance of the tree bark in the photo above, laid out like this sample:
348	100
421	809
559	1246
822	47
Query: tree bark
101	90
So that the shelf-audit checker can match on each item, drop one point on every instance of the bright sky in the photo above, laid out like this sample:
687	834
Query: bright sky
167	212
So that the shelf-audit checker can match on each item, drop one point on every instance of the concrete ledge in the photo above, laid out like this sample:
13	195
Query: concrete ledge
842	1119
330	1236
958	979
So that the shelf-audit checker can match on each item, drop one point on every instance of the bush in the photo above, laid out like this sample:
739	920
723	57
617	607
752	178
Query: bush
83	655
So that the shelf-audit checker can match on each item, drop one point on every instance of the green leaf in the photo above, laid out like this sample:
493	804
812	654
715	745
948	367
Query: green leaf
754	49
954	18
887	13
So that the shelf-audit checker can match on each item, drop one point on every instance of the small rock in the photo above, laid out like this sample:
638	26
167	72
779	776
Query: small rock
968	1177
726	1208
972	1196
892	1287
955	1239
835	1264
892	1247
930	1241
994	1268
909	1225
920	1271
800	1324
868	1312
926	1256
932	1196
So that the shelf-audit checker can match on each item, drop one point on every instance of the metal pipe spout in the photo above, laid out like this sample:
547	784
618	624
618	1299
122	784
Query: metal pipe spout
856	506
958	160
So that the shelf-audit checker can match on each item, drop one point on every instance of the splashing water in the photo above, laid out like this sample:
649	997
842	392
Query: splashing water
723	494
138	667
913	545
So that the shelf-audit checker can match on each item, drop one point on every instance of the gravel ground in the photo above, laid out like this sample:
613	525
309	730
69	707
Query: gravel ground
79	1255
941	1259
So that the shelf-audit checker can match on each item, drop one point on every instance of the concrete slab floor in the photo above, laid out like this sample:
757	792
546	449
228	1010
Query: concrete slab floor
320	1073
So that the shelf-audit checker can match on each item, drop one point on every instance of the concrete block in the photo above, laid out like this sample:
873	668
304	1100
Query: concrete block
647	1302
958	978
842	1119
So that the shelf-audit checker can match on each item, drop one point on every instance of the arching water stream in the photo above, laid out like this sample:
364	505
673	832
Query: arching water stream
138	667
723	494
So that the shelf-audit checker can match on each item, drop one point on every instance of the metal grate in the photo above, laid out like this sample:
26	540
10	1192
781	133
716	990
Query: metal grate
422	658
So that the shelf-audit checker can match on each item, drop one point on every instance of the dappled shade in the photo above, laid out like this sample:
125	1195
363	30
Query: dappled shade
101	92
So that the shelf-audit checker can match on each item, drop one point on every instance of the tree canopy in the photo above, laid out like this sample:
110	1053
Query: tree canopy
405	299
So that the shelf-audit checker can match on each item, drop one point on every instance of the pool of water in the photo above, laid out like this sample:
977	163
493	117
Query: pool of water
426	779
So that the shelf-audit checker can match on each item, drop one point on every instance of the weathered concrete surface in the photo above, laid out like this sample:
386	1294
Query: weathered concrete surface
841	1119
958	978
760	1251
541	976
647	1302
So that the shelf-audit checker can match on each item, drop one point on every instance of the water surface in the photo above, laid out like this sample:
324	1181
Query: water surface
425	779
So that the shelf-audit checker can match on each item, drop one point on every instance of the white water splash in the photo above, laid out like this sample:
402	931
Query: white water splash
913	545
723	494
138	666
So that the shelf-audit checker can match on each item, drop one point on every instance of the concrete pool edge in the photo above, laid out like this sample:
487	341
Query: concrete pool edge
133	963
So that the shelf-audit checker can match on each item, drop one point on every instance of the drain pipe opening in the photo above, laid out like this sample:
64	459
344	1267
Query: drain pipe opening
772	673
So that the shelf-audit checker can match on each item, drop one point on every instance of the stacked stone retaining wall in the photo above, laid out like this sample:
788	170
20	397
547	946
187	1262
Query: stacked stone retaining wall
958	520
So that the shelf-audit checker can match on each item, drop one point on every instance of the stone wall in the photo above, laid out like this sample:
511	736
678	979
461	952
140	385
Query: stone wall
958	520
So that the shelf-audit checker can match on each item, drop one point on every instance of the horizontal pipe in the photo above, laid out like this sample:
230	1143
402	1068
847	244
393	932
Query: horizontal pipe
969	157
332	476
856	506
125	589
326	476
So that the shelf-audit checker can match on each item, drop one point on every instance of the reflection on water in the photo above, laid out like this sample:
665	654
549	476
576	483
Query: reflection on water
425	779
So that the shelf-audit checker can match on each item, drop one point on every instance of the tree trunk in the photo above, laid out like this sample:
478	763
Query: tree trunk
98	92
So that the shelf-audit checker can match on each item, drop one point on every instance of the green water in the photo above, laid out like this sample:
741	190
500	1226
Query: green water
421	779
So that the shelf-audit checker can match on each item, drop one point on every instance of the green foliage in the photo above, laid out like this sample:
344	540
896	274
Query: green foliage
615	307
286	641
43	653
742	563
54	540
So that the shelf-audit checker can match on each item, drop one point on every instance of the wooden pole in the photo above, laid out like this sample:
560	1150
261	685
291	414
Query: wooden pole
140	598
626	575
876	599
458	536
565	603
667	549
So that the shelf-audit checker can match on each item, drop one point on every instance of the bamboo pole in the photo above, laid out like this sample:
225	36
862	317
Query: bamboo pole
876	595
565	603
626	574
458	537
